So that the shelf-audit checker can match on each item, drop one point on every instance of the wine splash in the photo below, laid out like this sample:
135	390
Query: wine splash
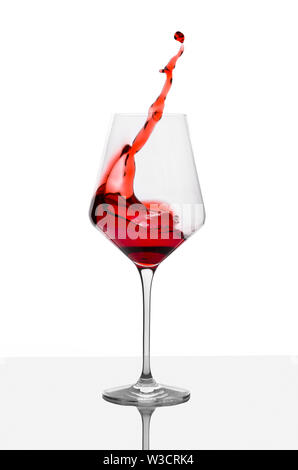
151	236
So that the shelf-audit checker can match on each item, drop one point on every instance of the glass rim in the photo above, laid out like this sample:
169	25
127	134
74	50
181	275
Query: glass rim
146	114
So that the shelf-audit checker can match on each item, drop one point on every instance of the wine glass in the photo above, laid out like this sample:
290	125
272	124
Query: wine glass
148	204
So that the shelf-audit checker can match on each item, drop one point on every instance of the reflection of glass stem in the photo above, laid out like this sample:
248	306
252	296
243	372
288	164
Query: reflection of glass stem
146	414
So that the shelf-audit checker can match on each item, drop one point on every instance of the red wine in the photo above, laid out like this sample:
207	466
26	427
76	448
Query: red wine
144	230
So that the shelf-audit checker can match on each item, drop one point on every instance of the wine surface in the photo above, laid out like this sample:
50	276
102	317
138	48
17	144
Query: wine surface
144	230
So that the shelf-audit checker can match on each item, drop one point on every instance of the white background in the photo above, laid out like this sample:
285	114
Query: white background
236	403
66	66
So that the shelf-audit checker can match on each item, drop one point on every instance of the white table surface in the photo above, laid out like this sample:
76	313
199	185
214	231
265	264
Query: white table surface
236	403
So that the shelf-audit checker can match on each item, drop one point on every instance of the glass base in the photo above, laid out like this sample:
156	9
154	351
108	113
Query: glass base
146	394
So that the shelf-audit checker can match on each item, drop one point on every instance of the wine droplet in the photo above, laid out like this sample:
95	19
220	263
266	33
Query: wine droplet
179	36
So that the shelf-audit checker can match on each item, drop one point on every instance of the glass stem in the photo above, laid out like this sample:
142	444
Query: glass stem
146	414
146	277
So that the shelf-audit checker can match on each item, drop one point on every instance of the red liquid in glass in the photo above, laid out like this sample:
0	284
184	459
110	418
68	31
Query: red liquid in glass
146	236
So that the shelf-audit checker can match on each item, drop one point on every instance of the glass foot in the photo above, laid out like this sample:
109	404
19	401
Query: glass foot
144	394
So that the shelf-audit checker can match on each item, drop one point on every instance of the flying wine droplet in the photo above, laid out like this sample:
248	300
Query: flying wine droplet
179	36
116	186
